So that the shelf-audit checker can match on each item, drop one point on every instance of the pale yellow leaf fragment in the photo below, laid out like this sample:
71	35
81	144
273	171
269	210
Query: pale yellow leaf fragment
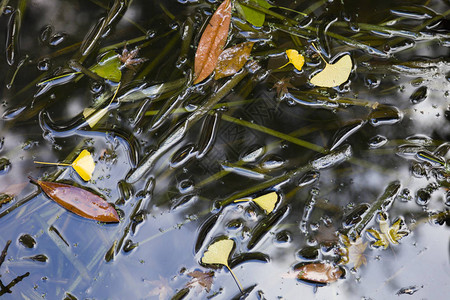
334	74
267	201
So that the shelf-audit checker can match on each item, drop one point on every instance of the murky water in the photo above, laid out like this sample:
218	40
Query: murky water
173	158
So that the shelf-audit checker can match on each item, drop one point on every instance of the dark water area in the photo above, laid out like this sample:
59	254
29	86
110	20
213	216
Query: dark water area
359	171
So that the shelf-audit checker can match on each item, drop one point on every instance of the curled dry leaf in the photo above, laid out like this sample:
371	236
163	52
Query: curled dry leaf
79	201
212	42
232	59
353	252
319	272
204	279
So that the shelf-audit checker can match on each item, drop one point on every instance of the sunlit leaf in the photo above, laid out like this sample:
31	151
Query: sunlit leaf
353	252
109	67
218	254
295	58
84	165
79	201
388	234
253	16
334	74
319	272
232	59
212	42
204	279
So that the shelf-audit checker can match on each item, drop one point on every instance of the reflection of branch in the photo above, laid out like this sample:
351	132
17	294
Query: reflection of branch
7	289
5	250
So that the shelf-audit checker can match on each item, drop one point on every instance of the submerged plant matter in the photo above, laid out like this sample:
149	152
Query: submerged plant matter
302	145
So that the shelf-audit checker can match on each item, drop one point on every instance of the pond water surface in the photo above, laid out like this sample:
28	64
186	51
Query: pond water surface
365	160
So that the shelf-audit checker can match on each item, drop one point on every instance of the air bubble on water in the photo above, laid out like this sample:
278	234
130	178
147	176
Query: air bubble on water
377	141
272	161
332	159
404	195
385	115
418	170
253	153
185	186
419	95
151	33
43	64
5	165
423	197
283	238
420	139
45	34
447	198
308	178
57	39
372	81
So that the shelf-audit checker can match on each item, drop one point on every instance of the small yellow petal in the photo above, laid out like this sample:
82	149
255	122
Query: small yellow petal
267	201
84	165
295	58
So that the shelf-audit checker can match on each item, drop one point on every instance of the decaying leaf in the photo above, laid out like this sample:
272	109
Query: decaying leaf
295	58
204	279
253	16
353	252
79	201
84	165
387	234
212	42
232	59
266	202
319	272
334	74
218	254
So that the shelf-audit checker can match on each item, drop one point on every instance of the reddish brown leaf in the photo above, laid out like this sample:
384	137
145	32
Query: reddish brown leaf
204	279
231	60
319	272
79	201
212	42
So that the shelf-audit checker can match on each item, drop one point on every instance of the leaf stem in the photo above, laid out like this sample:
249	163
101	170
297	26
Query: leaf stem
235	279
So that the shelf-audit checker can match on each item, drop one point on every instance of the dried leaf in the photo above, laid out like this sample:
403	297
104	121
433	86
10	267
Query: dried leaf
204	279
353	252
388	234
319	272
84	165
232	59
212	42
295	58
253	16
334	74
218	254
79	201
109	67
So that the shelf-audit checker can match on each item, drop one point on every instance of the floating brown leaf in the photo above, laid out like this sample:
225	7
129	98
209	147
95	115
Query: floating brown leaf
232	59
212	42
79	201
319	272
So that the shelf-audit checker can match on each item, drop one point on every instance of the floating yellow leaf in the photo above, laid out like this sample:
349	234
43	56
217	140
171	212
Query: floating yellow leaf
388	234
295	58
84	165
266	202
334	74
218	253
